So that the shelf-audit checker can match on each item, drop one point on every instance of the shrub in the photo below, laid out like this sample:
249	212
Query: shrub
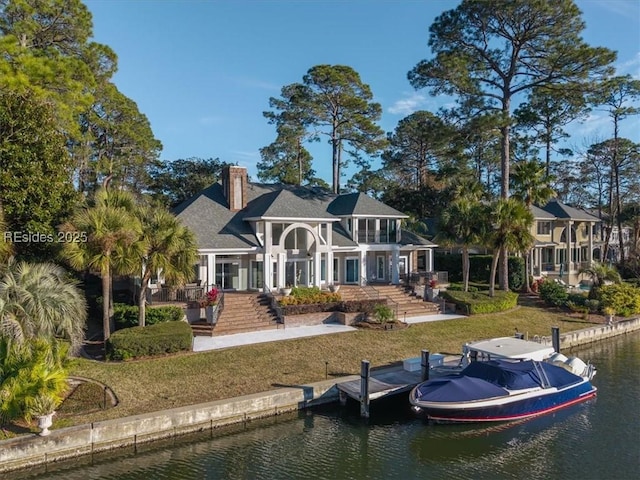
383	313
126	316
309	295
622	298
553	293
473	303
159	339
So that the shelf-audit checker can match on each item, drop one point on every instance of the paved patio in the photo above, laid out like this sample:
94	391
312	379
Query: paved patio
201	344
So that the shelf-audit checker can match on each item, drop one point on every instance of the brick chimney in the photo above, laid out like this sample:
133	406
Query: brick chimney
234	183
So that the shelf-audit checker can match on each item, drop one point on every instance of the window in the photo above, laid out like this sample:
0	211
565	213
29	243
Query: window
544	228
276	231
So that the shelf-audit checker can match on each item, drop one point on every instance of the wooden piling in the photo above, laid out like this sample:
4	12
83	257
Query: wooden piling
424	363
364	388
555	338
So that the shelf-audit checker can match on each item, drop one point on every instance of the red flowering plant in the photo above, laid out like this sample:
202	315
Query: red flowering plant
211	298
433	283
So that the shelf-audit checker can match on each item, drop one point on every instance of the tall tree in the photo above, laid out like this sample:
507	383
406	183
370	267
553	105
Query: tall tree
616	96
122	145
169	247
286	160
547	111
174	181
112	243
509	229
420	144
463	223
339	106
6	247
531	185
489	52
35	172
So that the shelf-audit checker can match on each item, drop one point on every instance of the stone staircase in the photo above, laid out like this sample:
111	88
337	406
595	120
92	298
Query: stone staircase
407	304
243	312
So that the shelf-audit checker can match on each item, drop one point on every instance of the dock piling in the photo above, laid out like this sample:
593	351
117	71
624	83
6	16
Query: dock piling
555	338
365	369
424	363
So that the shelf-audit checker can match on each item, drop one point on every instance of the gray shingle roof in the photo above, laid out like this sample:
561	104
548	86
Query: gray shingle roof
410	238
540	214
213	224
562	211
207	214
287	204
359	204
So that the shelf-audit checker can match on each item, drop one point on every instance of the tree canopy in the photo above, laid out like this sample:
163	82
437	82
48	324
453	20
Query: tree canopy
332	102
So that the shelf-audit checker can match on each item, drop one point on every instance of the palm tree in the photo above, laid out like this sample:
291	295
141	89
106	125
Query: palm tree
40	301
510	224
599	274
170	247
33	377
113	242
462	223
530	184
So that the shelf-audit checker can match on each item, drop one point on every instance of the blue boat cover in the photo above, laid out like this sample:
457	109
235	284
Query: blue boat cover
488	379
457	388
520	375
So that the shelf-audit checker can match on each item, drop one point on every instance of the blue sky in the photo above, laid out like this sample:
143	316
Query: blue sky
203	71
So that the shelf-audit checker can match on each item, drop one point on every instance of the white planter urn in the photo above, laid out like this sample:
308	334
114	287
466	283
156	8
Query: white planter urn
285	291
44	422
210	312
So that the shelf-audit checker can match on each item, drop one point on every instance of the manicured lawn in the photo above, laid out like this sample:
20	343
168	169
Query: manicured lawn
185	379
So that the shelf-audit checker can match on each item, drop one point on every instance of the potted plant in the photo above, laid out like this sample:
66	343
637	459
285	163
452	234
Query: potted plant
43	408
609	312
432	290
286	291
334	288
210	304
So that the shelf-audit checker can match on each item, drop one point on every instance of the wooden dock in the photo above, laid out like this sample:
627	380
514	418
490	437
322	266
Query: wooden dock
382	383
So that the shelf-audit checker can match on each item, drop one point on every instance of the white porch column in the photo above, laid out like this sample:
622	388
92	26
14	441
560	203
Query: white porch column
569	241
317	269
267	272
590	254
395	267
282	259
211	269
430	267
363	267
330	271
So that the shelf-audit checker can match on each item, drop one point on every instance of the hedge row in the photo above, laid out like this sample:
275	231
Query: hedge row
474	303
167	337
352	306
126	316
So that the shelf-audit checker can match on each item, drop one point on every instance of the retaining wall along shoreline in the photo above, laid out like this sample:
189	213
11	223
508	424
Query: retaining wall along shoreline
30	450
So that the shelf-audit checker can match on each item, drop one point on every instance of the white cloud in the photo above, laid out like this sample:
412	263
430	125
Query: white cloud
407	106
631	67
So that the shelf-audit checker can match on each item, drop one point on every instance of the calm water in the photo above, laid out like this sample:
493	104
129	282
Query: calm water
595	440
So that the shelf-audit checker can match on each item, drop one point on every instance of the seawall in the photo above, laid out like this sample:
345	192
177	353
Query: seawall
30	450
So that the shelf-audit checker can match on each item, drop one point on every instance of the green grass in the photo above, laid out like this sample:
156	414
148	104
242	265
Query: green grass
185	379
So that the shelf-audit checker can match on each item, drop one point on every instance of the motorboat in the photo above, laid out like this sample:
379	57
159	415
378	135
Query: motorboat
497	383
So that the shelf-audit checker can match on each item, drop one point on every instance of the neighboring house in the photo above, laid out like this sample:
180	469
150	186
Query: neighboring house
566	240
262	237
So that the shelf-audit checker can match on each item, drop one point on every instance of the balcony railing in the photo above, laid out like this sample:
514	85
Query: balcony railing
188	293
